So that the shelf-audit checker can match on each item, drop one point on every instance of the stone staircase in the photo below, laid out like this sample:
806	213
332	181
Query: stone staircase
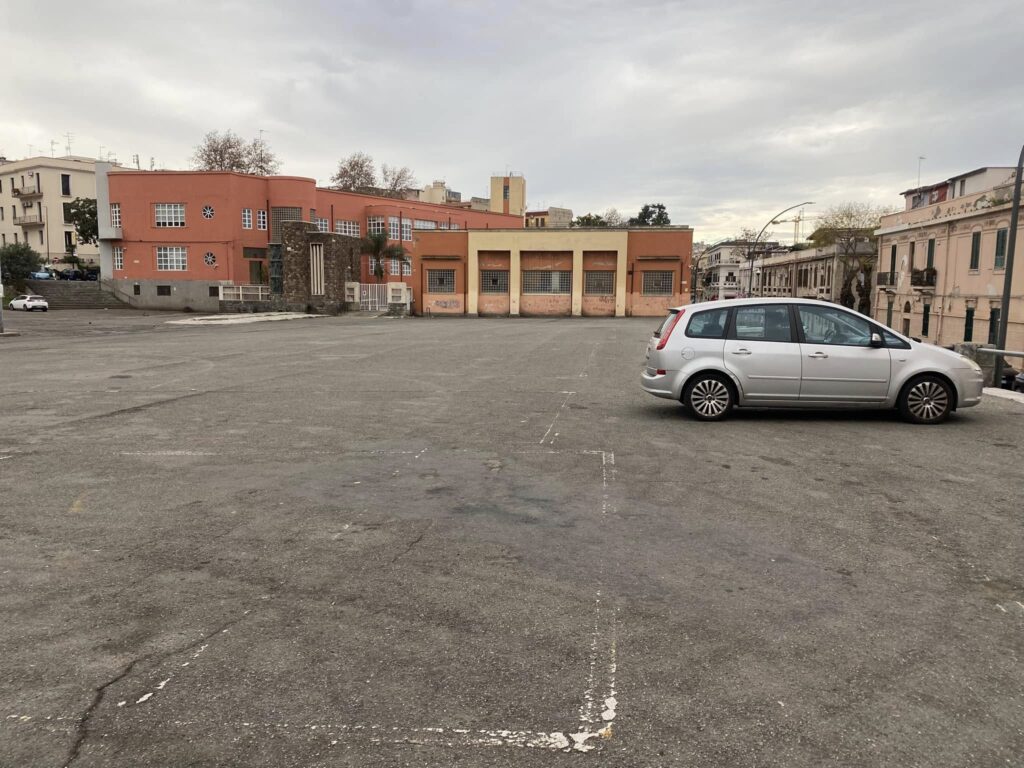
74	294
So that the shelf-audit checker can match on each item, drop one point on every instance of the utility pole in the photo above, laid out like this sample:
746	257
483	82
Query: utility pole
1004	312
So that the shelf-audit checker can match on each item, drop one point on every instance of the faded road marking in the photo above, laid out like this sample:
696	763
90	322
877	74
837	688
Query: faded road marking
557	414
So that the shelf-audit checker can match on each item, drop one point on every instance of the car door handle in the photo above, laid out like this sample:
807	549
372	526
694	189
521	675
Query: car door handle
741	351
818	356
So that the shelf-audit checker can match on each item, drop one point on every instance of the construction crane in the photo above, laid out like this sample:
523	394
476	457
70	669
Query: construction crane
797	222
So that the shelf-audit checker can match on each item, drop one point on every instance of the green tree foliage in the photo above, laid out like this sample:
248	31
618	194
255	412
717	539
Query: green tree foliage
82	213
590	220
850	227
377	247
651	215
17	261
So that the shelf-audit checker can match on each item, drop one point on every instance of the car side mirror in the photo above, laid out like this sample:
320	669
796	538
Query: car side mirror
876	340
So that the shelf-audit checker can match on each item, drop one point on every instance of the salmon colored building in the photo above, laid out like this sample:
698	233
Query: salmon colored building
174	239
592	272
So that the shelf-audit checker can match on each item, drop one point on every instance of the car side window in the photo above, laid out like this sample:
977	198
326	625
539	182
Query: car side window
824	325
708	325
893	341
763	322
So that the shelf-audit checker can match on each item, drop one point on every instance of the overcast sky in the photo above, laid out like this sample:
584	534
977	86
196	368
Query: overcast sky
725	111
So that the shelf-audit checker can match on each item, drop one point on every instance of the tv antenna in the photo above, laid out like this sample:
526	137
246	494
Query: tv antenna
53	147
68	136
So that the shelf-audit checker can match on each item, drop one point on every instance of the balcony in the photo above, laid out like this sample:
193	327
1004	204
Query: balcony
28	221
886	278
923	278
26	191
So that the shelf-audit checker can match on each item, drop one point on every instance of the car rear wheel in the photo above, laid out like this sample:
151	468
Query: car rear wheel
926	400
708	397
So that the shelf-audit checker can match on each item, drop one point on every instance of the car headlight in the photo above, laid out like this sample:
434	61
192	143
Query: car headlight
971	363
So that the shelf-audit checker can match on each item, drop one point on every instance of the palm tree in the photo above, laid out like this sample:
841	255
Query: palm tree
376	246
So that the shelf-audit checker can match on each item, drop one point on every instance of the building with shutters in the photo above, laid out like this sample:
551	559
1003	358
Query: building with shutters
942	261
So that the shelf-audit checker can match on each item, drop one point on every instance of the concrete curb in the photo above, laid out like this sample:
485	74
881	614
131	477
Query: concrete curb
10	333
1005	394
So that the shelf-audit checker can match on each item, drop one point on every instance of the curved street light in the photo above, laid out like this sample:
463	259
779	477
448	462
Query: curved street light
695	266
772	220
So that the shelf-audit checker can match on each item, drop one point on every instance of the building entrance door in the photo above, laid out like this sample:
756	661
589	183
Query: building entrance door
256	273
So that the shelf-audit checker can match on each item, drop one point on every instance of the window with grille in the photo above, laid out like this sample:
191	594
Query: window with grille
316	269
247	218
545	281
169	214
599	283
118	257
323	225
493	281
343	227
171	258
394	231
396	265
421	224
280	215
375	225
261	219
658	283
406	267
406	229
441	280
115	215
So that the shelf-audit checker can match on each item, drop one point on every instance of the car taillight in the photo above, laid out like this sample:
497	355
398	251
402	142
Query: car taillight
668	331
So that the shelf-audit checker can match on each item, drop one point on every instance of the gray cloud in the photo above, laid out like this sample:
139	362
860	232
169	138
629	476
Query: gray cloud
726	114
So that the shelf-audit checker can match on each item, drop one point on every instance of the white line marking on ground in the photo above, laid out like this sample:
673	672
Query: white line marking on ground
166	453
557	414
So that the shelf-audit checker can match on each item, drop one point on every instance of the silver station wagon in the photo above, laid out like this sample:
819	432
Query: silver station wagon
805	354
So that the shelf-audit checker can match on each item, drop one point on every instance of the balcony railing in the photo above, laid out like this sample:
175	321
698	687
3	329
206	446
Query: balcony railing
886	278
245	293
923	278
26	191
28	221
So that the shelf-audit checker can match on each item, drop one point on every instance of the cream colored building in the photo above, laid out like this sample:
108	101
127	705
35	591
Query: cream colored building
807	273
508	194
34	198
549	218
941	264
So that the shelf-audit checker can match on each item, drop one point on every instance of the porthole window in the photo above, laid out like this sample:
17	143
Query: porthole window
207	211
210	259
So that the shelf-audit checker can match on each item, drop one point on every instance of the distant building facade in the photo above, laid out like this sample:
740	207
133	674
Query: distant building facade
810	273
35	195
942	261
549	218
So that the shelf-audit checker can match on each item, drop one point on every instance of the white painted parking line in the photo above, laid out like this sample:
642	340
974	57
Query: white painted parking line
557	414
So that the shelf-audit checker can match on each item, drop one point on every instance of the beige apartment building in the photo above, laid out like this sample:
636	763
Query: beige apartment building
942	261
34	199
808	273
549	218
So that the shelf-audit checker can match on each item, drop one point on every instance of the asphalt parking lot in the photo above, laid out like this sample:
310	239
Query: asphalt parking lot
379	542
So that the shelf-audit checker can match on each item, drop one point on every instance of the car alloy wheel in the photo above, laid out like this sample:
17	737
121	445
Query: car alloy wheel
709	398
927	401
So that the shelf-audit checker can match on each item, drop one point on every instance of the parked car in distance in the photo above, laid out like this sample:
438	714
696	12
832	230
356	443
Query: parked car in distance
29	302
801	353
1018	382
40	275
69	274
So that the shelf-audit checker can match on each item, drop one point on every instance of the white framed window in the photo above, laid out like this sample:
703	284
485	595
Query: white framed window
406	267
118	257
454	226
115	215
323	225
422	224
247	218
343	227
443	225
375	225
171	258
394	231
316	269
441	280
396	265
407	229
169	214
547	281
261	220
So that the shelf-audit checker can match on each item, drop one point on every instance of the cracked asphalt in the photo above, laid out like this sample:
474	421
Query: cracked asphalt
375	542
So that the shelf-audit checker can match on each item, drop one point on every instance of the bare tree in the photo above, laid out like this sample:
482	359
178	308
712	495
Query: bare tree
613	218
850	227
229	152
355	173
396	180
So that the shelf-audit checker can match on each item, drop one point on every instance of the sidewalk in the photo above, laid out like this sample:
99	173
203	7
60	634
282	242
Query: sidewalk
1005	394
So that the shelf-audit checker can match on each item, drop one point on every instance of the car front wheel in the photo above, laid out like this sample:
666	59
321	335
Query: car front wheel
708	397
926	400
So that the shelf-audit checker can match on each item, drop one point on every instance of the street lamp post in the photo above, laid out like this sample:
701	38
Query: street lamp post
750	279
1004	312
695	268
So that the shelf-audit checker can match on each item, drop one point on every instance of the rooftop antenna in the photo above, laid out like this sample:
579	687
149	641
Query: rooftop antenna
135	159
919	159
152	163
53	147
69	136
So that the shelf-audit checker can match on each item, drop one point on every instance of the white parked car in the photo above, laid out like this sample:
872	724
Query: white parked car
801	354
29	302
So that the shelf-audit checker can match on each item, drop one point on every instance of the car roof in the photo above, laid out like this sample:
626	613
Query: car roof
758	300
